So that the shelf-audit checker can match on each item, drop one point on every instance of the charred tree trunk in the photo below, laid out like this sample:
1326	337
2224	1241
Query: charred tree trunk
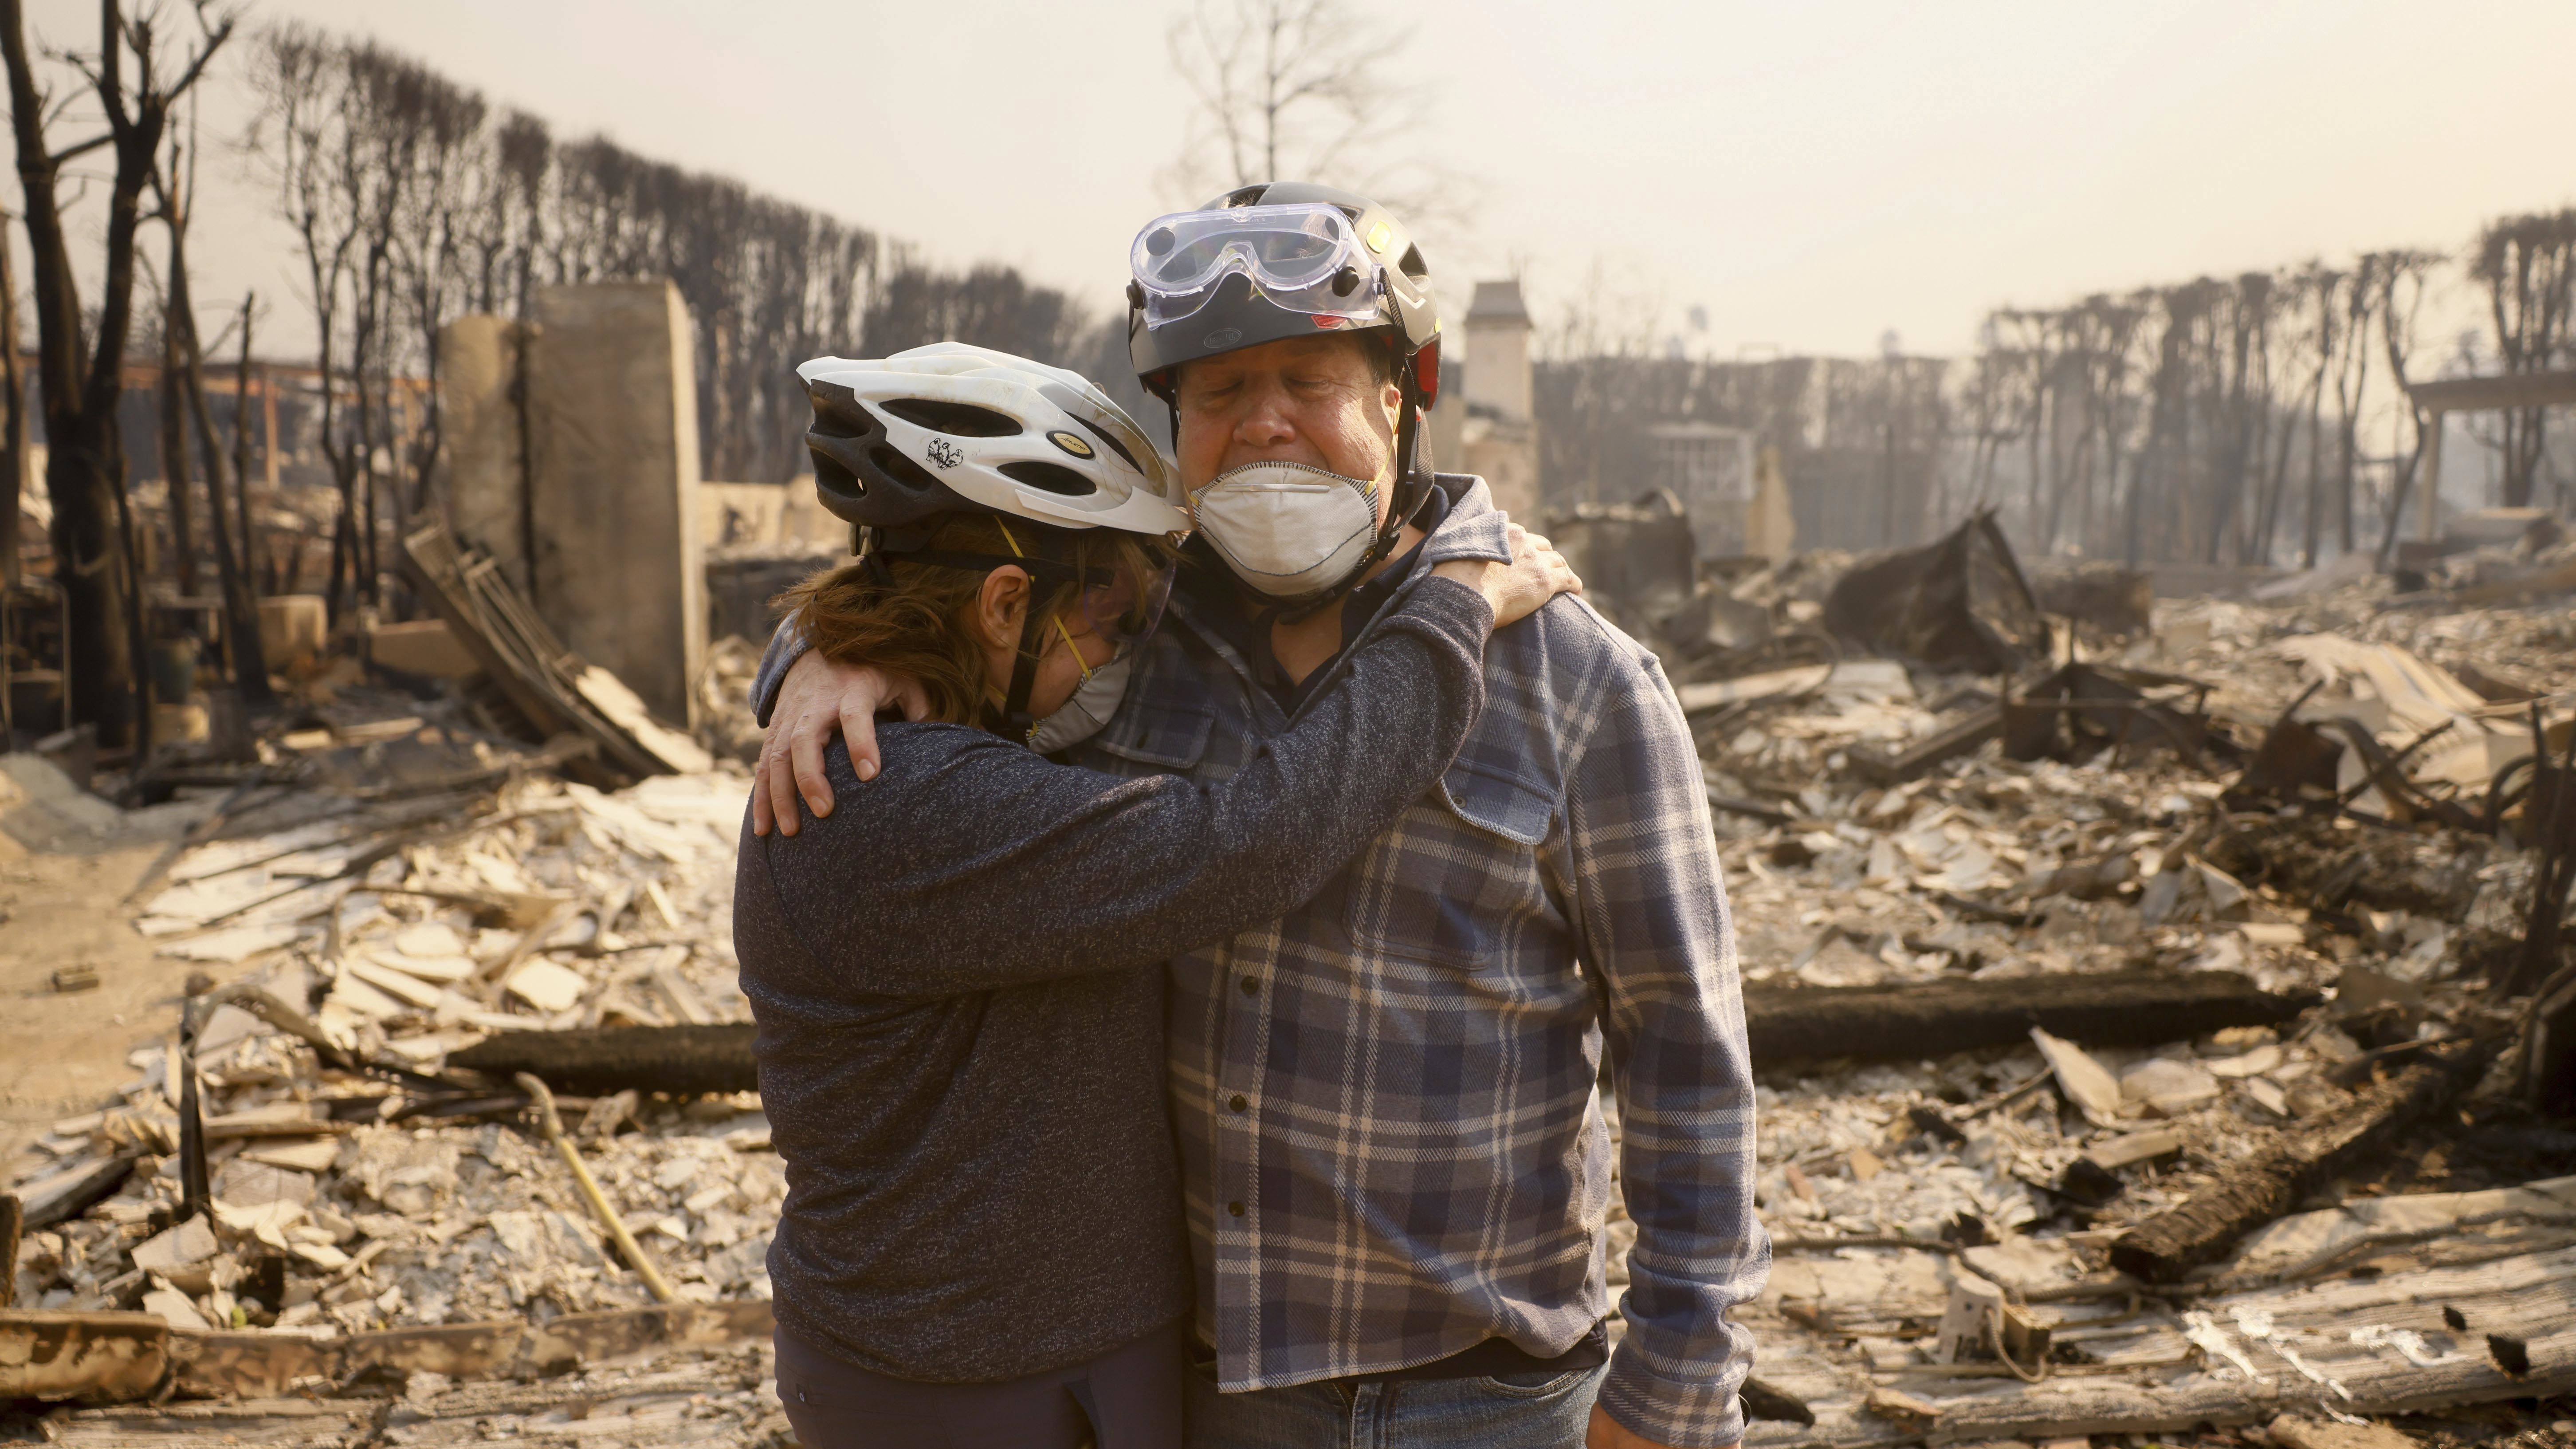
82	369
250	551
174	463
241	611
83	449
13	441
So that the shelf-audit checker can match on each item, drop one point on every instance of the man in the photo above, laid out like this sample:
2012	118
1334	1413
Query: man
1395	1161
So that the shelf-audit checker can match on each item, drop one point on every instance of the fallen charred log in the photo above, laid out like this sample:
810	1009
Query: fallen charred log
1912	1021
1788	1024
2247	1194
678	1060
1762	1401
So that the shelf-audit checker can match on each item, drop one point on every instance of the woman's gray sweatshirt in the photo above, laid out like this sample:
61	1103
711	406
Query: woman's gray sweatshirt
958	980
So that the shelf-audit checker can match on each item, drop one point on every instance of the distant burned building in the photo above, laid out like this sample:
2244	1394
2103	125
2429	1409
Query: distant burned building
1492	430
1709	469
1863	445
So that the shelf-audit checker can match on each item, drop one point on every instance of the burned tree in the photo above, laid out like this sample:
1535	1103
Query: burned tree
413	202
1301	90
2528	266
297	75
80	369
183	395
2401	277
13	441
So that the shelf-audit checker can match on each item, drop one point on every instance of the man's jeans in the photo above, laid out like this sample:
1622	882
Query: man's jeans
1519	1411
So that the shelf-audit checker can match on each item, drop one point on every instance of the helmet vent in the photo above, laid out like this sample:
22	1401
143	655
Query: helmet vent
1052	477
900	468
831	477
963	420
1115	446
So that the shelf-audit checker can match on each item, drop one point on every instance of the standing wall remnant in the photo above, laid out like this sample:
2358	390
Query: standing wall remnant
572	461
479	434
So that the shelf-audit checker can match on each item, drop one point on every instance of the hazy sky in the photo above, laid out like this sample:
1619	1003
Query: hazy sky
1812	174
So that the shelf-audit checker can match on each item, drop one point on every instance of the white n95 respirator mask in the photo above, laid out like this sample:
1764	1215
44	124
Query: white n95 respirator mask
1288	530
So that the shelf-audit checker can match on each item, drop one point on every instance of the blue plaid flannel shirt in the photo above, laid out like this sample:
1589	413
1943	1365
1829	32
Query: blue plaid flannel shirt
1391	1139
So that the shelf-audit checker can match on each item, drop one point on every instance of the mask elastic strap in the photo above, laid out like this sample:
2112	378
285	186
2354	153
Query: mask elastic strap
1058	619
1024	671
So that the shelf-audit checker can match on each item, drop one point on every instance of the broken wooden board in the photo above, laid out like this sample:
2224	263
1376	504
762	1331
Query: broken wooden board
260	1365
2377	1344
554	689
1967	734
680	1060
1775	684
677	1398
87	1357
1911	1021
2246	1194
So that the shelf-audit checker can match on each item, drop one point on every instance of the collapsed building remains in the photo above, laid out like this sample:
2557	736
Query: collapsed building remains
2160	1012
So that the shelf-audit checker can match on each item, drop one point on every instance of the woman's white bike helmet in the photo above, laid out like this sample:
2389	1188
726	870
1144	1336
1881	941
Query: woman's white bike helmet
950	428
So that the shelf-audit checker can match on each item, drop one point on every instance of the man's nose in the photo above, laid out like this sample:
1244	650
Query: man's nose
1266	422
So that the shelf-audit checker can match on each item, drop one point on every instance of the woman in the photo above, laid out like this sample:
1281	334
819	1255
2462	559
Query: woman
957	973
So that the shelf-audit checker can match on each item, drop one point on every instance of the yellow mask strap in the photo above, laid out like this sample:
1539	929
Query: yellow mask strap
1061	631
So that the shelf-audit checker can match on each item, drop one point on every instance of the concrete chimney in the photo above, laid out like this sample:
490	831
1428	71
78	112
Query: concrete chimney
1499	434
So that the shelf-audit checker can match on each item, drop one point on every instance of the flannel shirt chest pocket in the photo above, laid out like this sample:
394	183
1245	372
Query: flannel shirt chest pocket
1457	881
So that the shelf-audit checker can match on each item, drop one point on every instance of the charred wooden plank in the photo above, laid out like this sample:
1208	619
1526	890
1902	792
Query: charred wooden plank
1962	737
11	1219
1912	1021
1788	1024
679	1060
2247	1194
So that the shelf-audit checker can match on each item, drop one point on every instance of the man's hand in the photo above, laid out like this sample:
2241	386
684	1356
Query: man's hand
816	698
1605	1432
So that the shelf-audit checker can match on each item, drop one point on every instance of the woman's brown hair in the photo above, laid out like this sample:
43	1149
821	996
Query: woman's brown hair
922	624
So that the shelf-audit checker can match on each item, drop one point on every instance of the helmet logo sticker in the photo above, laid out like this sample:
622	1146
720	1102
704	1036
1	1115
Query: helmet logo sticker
945	453
1222	337
1070	443
1377	237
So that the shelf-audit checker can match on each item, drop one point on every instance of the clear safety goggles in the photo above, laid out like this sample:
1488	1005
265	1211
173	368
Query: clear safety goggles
1305	258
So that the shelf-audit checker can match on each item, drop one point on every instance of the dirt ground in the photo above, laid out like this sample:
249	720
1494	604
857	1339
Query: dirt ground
64	868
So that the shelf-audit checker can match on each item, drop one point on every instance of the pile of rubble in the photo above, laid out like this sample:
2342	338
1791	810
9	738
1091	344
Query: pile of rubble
350	1183
2158	1010
1962	794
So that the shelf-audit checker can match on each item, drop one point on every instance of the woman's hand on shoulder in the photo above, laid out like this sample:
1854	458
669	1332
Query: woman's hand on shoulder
1536	574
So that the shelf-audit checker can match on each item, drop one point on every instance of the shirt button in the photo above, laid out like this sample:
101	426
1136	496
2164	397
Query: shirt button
1251	987
1239	1101
1235	1208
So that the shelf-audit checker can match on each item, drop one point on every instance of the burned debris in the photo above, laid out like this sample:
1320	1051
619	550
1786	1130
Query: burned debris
2156	1003
2149	1025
